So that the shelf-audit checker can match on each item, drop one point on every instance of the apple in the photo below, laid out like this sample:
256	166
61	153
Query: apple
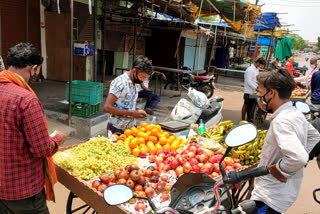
214	174
187	167
172	172
196	168
162	155
138	187
112	178
149	192
159	159
135	175
104	178
162	184
164	177
166	167
190	155
200	151
122	181
166	151
140	193
193	149
228	161
223	164
116	173
193	161
177	156
173	154
165	196
133	167
152	158
142	180
229	168
204	169
184	152
182	160
200	165
219	157
148	173
123	174
154	179
155	173
160	165
236	165
102	187
140	207
203	158
143	154
208	152
209	166
130	183
216	167
168	187
170	158
179	171
179	151
174	163
214	159
95	184
110	183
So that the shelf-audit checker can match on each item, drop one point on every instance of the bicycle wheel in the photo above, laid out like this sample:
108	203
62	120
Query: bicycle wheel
77	206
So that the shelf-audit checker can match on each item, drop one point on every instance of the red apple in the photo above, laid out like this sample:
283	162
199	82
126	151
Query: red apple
236	165
140	206
152	158
182	160
190	155
179	171
110	183
214	174
172	172
219	157
164	177
209	166
138	187
170	158
112	178
149	192
214	159
216	167
102	187
148	173
159	151
165	196
187	167
142	180
162	155
200	151
179	151
155	173
130	183
123	174
200	165
161	183
229	168
204	169
135	175
196	168
203	158
174	163
159	159
143	154
173	154
122	181
133	167
95	184
105	178
160	165
236	160
166	167
193	149
168	187
166	151
228	161
193	161
208	152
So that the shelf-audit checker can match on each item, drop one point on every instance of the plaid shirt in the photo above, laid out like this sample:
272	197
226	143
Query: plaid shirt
24	143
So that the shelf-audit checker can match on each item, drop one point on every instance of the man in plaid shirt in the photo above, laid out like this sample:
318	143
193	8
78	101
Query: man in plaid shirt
24	139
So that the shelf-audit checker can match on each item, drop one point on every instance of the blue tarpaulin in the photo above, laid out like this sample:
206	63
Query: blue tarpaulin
264	41
266	21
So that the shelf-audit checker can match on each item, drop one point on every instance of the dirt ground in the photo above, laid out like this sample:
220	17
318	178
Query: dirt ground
231	111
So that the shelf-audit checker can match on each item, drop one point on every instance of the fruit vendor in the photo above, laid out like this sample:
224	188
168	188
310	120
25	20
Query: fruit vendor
289	65
250	86
315	88
287	144
25	146
152	98
306	80
123	94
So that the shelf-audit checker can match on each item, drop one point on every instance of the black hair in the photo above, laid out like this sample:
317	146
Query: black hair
280	79
144	64
261	61
23	55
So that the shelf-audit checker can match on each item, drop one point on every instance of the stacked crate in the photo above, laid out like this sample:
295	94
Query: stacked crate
86	97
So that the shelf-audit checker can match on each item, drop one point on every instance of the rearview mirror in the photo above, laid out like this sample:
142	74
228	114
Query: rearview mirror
241	135
117	194
303	107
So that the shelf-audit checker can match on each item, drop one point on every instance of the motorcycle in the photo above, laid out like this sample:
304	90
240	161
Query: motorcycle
197	192
188	111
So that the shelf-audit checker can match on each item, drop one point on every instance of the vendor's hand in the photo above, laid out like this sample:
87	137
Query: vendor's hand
139	114
63	137
164	77
277	174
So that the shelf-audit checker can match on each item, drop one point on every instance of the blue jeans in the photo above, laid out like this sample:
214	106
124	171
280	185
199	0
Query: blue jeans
152	98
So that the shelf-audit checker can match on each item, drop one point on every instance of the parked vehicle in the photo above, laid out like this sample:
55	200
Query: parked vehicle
204	195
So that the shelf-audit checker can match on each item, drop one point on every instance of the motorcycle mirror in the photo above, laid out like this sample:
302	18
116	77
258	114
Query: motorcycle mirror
316	195
303	107
117	194
241	134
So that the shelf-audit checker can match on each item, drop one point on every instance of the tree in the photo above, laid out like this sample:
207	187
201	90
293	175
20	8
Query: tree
318	45
298	43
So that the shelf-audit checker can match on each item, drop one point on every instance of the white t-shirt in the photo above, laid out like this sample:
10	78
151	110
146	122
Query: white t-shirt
250	80
145	83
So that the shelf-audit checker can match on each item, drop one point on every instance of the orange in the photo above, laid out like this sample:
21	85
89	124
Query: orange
167	146
148	133
140	133
163	141
150	144
153	139
160	135
116	136
144	124
143	129
172	137
158	146
158	127
152	150
126	143
145	136
166	134
175	142
133	144
184	142
123	137
134	131
136	152
138	127
120	141
180	139
127	132
174	147
154	132
181	145
170	140
144	149
149	127
130	137
129	149
141	141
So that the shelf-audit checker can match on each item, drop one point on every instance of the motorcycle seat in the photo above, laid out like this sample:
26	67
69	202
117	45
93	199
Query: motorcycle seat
211	111
314	108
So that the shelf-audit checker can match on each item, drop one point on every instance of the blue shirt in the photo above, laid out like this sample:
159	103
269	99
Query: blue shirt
127	94
315	87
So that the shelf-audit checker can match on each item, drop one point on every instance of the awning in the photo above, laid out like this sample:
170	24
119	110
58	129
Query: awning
267	21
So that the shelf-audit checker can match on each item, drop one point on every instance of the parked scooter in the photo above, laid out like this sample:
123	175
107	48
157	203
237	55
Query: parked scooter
204	195
187	111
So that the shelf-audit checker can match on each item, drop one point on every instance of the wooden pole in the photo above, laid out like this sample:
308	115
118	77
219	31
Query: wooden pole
71	63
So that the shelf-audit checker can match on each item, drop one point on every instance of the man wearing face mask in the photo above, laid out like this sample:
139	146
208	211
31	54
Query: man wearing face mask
250	85
287	144
306	80
123	94
26	148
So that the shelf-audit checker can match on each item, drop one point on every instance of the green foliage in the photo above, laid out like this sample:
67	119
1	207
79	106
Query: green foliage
318	45
298	43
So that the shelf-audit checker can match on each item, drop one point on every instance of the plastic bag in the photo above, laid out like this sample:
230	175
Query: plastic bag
210	144
198	98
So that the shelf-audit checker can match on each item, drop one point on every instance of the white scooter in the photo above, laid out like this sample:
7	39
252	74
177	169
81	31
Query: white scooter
191	111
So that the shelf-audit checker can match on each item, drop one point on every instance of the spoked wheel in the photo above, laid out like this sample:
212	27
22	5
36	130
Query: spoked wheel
207	89
77	206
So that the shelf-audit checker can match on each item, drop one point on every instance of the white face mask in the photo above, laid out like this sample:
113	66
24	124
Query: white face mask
313	66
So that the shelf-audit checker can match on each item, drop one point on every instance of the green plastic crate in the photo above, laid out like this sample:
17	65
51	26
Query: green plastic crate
84	110
86	92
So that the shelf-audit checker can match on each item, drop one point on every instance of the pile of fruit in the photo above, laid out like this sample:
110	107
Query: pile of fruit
144	183
299	92
148	139
192	159
249	153
94	157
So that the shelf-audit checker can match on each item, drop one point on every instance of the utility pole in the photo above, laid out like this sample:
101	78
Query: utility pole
257	1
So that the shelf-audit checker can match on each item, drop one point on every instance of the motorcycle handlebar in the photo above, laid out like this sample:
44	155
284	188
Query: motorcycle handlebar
235	177
247	206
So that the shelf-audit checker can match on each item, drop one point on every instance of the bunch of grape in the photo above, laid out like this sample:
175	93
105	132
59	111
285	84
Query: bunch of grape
94	157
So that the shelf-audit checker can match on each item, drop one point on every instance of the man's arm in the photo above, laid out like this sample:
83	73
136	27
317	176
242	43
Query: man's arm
162	74
144	87
35	129
295	155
